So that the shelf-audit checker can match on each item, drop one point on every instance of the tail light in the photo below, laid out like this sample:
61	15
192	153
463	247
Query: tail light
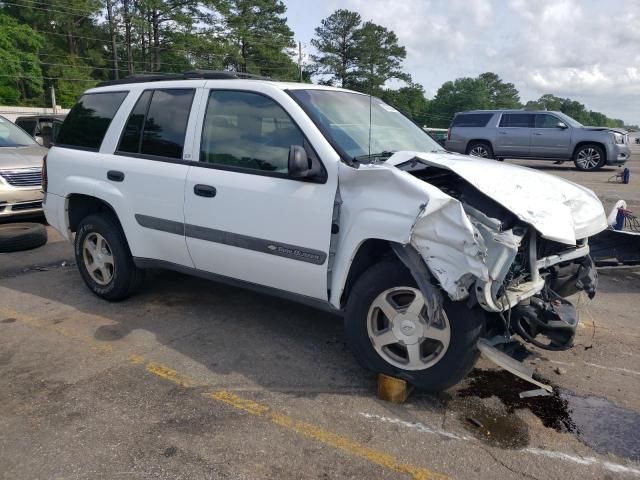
44	174
449	133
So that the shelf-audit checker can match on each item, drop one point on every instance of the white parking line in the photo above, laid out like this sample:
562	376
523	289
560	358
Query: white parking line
420	427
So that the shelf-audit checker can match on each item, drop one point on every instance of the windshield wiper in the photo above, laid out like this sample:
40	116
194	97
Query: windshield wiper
380	156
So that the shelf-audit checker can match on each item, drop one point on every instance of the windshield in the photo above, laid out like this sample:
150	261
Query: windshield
13	136
568	120
345	118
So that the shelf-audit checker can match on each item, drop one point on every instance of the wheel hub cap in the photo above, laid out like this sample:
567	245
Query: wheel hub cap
407	328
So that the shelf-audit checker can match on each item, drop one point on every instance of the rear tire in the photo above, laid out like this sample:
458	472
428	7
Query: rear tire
442	368
480	149
589	157
103	258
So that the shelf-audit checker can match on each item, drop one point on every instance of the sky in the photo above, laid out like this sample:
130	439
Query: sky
588	50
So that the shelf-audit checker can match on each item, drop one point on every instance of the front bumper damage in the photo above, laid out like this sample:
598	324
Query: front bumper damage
484	254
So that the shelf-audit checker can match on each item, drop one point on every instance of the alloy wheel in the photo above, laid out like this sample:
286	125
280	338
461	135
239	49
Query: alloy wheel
588	158
401	332
479	151
98	258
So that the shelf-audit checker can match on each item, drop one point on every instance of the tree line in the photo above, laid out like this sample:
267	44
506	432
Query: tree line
73	44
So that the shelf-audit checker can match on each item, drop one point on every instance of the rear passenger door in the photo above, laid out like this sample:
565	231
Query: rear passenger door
548	140
146	174
514	134
245	217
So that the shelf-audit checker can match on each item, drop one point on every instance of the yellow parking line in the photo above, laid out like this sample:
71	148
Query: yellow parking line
305	429
328	438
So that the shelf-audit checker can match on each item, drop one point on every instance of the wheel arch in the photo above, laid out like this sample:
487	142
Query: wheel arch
583	143
477	140
369	252
79	206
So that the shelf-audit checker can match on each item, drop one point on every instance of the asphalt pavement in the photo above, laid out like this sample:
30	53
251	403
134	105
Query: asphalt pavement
193	379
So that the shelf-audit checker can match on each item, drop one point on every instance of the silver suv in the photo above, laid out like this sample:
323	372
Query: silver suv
531	134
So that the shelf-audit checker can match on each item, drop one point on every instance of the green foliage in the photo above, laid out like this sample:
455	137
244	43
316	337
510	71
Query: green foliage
21	75
336	42
259	37
575	110
410	100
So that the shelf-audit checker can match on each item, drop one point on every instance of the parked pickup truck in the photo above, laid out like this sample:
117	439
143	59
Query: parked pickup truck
287	188
542	135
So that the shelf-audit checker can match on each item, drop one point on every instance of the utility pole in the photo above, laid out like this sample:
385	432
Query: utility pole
112	34
53	100
300	59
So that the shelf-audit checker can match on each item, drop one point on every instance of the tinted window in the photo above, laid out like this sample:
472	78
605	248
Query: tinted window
28	126
544	120
471	120
130	140
165	125
517	120
247	130
88	121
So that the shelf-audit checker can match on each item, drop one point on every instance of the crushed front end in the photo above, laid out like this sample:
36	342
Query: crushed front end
524	277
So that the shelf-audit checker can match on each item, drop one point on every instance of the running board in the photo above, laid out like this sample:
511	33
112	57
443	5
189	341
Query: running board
509	364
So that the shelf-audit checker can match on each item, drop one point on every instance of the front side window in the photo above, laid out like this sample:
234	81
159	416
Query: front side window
86	124
13	136
362	127
247	130
544	120
518	120
157	124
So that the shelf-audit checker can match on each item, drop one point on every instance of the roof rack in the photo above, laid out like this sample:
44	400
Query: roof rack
190	75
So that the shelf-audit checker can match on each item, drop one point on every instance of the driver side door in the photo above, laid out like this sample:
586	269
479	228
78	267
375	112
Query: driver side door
245	218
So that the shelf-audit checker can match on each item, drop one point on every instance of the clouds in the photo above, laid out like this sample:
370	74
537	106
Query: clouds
586	49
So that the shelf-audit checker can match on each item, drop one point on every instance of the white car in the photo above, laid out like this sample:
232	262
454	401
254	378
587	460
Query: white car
328	197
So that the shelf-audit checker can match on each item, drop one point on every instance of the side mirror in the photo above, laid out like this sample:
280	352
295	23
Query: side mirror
299	162
561	125
39	140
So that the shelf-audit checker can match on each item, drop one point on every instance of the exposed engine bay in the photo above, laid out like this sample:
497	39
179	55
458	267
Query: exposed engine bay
528	276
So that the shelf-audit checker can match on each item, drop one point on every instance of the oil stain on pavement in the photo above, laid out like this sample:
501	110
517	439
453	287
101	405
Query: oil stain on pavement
596	422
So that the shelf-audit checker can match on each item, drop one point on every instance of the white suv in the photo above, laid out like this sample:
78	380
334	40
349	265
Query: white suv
324	196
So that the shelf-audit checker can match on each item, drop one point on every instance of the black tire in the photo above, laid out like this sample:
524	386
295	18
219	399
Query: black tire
22	236
480	146
580	165
126	277
466	326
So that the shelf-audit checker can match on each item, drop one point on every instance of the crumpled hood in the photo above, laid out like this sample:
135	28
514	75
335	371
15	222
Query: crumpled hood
560	210
606	129
21	157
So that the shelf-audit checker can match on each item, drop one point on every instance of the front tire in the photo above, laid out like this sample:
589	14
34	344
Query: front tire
589	157
480	149
389	332
103	258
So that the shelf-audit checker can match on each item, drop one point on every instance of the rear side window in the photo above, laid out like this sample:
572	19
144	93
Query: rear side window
158	123
472	120
522	120
88	121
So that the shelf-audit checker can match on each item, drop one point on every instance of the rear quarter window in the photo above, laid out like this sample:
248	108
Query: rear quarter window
86	124
471	120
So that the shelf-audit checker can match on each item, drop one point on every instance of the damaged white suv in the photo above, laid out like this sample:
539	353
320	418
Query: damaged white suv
327	197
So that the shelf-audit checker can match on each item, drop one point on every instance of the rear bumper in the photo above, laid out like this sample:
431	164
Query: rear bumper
617	154
18	202
455	146
55	213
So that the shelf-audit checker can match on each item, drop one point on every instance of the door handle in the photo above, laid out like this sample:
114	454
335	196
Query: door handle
115	176
502	133
205	191
537	133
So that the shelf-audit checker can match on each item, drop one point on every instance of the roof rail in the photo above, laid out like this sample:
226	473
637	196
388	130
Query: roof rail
190	75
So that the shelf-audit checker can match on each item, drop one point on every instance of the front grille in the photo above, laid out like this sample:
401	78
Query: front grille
24	177
26	206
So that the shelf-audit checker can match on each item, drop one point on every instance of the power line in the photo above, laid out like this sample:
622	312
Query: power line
43	4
